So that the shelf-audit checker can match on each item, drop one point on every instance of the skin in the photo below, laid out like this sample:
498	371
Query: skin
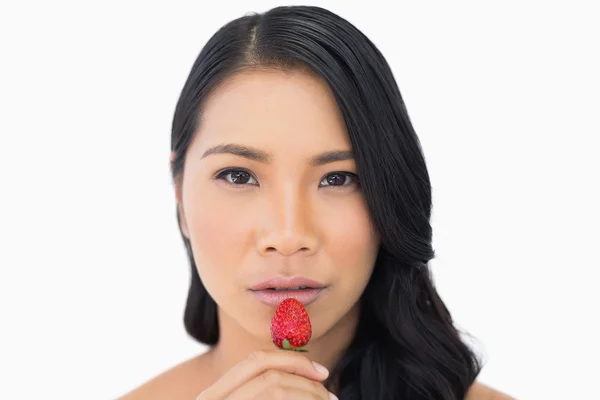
286	217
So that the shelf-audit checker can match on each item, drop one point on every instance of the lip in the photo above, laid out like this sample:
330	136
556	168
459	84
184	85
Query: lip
282	282
275	297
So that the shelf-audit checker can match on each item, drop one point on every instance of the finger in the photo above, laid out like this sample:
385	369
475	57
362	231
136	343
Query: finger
288	394
276	382
260	361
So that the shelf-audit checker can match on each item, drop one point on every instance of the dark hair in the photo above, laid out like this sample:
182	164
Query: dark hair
406	346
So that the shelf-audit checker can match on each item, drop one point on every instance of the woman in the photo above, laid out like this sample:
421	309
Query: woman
294	160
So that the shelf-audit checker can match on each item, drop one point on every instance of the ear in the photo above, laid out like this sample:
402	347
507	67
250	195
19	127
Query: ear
179	199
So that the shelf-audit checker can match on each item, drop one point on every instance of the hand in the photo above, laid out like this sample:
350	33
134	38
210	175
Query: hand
271	375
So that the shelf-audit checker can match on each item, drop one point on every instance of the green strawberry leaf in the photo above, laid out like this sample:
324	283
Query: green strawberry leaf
287	346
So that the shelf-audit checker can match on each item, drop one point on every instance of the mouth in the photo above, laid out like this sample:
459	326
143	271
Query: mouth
274	290
287	283
285	288
274	296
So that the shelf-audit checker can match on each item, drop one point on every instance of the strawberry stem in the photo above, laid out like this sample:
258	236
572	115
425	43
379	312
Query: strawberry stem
287	346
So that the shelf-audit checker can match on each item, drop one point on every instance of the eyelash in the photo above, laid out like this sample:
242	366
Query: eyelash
224	173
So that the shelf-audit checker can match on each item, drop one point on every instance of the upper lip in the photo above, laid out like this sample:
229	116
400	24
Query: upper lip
281	282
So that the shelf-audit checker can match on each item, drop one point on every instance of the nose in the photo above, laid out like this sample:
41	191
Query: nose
287	225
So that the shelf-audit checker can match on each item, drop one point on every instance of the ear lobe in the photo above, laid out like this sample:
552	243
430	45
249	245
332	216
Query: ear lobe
179	198
180	214
171	159
183	222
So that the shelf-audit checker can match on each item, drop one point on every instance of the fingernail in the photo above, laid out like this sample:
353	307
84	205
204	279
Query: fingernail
333	396
321	369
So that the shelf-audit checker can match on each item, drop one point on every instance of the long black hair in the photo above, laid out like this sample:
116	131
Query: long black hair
406	346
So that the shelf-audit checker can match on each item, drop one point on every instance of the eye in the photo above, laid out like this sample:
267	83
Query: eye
339	179
241	177
237	177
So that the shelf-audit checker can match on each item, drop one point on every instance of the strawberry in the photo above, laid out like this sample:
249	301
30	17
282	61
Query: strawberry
290	326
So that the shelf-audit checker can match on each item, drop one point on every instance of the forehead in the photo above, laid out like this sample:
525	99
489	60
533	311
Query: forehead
273	108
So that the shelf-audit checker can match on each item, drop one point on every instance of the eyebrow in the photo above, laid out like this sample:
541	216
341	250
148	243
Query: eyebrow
263	157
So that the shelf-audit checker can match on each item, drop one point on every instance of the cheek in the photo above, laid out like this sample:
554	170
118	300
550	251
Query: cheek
351	242
220	234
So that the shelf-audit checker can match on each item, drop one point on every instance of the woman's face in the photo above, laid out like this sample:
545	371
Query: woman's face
271	210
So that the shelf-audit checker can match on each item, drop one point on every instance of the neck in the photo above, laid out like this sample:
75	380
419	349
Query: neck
235	343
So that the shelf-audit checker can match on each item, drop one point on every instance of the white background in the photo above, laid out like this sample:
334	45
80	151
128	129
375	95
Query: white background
94	276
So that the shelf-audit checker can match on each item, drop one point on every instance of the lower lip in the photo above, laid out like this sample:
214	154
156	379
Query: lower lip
275	297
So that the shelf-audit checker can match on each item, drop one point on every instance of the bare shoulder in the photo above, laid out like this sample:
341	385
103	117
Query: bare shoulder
479	391
183	381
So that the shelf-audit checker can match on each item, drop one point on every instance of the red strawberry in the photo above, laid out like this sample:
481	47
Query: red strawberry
290	326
